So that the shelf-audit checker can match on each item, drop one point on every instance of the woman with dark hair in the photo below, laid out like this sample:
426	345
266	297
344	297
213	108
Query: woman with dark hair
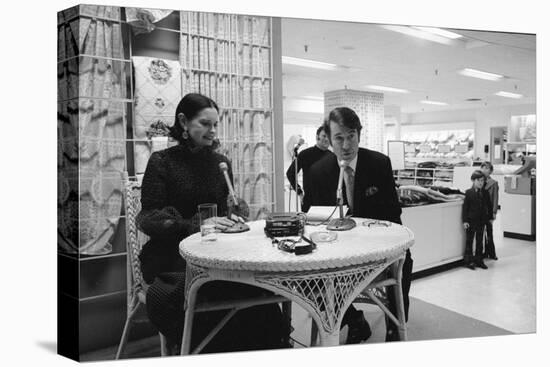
176	181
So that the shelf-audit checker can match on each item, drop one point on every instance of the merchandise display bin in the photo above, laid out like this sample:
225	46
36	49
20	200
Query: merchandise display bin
441	242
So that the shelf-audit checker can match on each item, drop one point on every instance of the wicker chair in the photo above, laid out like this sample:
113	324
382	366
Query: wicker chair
136	286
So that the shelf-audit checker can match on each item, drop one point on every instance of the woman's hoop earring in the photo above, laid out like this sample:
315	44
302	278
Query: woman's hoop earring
181	120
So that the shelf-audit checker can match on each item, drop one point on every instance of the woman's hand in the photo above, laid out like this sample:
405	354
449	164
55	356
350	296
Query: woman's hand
222	223
236	218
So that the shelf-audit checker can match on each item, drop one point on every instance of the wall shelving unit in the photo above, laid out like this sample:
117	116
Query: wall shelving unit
424	176
227	57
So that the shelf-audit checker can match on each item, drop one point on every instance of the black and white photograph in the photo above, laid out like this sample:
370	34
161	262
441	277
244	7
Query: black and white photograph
284	184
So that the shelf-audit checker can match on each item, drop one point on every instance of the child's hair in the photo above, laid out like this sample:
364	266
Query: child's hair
477	174
488	165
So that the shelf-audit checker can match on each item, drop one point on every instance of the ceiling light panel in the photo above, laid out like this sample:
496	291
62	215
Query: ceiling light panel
309	63
387	89
435	103
440	32
414	32
509	95
473	73
314	98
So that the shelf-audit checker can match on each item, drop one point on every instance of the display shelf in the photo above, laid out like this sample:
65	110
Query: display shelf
414	178
94	97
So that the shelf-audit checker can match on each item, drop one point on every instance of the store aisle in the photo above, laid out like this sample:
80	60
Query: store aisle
503	295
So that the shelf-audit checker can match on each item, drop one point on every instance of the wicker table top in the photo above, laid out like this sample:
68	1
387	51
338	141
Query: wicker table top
253	251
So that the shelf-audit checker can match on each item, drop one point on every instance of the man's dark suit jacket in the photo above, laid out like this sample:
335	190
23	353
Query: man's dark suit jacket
374	192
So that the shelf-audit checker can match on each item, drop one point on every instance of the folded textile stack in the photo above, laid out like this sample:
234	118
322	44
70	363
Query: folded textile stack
412	198
447	190
505	169
427	173
428	164
412	195
444	174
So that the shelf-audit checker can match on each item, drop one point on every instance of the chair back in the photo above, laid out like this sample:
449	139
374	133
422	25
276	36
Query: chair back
135	239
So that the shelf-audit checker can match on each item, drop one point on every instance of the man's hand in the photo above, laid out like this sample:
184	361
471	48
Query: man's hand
466	225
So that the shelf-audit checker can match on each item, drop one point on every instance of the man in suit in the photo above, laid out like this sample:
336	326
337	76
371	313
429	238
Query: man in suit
306	159
369	191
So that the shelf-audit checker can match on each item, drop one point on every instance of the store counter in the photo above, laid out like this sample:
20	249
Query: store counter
439	234
518	207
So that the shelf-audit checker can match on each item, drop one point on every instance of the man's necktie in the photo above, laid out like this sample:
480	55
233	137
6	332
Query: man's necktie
350	181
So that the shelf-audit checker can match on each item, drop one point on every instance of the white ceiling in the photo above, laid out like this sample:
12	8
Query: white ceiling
383	57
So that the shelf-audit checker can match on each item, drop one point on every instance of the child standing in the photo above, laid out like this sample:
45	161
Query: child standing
491	186
476	212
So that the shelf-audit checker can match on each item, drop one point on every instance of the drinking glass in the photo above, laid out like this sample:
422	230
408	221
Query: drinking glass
207	216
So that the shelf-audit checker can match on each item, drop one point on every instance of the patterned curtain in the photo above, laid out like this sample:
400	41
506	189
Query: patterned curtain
91	129
157	94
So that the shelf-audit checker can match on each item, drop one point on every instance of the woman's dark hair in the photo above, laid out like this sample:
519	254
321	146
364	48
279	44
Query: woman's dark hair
190	105
343	116
489	165
477	174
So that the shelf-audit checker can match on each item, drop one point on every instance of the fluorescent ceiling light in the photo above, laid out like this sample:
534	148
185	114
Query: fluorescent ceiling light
509	95
415	32
440	32
387	89
434	103
314	98
480	74
309	63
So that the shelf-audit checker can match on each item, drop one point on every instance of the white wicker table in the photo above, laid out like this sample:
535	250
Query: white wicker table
324	282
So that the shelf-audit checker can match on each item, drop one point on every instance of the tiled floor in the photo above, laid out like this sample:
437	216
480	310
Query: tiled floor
503	295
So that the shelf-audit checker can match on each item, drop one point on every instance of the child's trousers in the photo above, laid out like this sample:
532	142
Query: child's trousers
490	243
471	232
